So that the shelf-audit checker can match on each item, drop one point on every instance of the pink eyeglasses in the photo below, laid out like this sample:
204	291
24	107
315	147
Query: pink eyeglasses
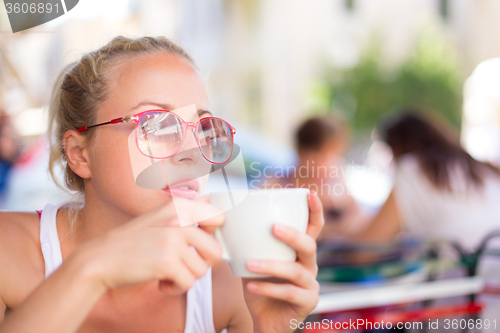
160	134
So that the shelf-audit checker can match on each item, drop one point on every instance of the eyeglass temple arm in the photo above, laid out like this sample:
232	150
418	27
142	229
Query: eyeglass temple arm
112	121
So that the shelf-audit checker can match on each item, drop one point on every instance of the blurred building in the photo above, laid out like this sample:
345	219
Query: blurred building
259	57
274	49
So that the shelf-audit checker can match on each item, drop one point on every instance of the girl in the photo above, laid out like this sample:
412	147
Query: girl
440	191
123	264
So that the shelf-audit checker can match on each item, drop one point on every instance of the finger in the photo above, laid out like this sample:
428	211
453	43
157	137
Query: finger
204	198
194	262
179	279
316	217
304	244
208	216
206	246
291	271
167	286
210	224
189	211
306	298
162	215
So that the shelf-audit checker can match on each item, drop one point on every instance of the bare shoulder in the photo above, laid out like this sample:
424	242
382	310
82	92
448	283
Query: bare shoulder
18	229
228	302
22	221
20	253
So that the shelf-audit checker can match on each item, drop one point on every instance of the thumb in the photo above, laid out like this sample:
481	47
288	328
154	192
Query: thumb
189	212
204	198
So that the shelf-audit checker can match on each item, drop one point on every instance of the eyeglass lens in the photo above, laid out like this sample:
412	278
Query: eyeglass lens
159	135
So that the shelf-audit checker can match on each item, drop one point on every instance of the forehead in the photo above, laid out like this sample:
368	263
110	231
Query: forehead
164	78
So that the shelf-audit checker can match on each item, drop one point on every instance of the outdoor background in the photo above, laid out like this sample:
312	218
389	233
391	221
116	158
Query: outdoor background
270	64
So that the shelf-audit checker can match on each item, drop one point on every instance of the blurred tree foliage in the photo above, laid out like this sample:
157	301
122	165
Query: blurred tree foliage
429	79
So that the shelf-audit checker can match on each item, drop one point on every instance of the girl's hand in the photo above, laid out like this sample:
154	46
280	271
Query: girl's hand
154	246
272	304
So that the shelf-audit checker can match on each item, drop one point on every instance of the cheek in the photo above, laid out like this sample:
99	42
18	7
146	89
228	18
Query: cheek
111	169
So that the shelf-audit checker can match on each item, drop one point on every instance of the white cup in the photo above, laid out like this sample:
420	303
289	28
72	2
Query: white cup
247	231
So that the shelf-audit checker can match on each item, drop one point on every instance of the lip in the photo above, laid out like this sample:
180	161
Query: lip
190	192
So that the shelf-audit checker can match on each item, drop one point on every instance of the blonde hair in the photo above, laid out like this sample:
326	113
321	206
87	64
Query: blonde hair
81	88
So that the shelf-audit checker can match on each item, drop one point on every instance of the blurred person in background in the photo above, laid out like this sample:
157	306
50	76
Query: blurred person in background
10	149
440	192
321	144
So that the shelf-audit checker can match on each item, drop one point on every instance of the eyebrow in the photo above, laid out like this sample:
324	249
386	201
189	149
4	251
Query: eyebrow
167	107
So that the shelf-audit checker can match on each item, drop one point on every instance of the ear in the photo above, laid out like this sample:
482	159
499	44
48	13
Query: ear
77	153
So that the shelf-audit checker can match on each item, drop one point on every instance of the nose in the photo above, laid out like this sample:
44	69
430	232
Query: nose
189	153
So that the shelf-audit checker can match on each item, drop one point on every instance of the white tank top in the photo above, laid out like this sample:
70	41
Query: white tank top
462	215
199	314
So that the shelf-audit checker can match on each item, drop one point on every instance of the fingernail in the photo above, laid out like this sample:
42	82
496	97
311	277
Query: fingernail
279	229
253	264
205	198
252	286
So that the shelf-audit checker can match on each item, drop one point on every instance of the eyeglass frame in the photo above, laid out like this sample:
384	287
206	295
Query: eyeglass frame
136	117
